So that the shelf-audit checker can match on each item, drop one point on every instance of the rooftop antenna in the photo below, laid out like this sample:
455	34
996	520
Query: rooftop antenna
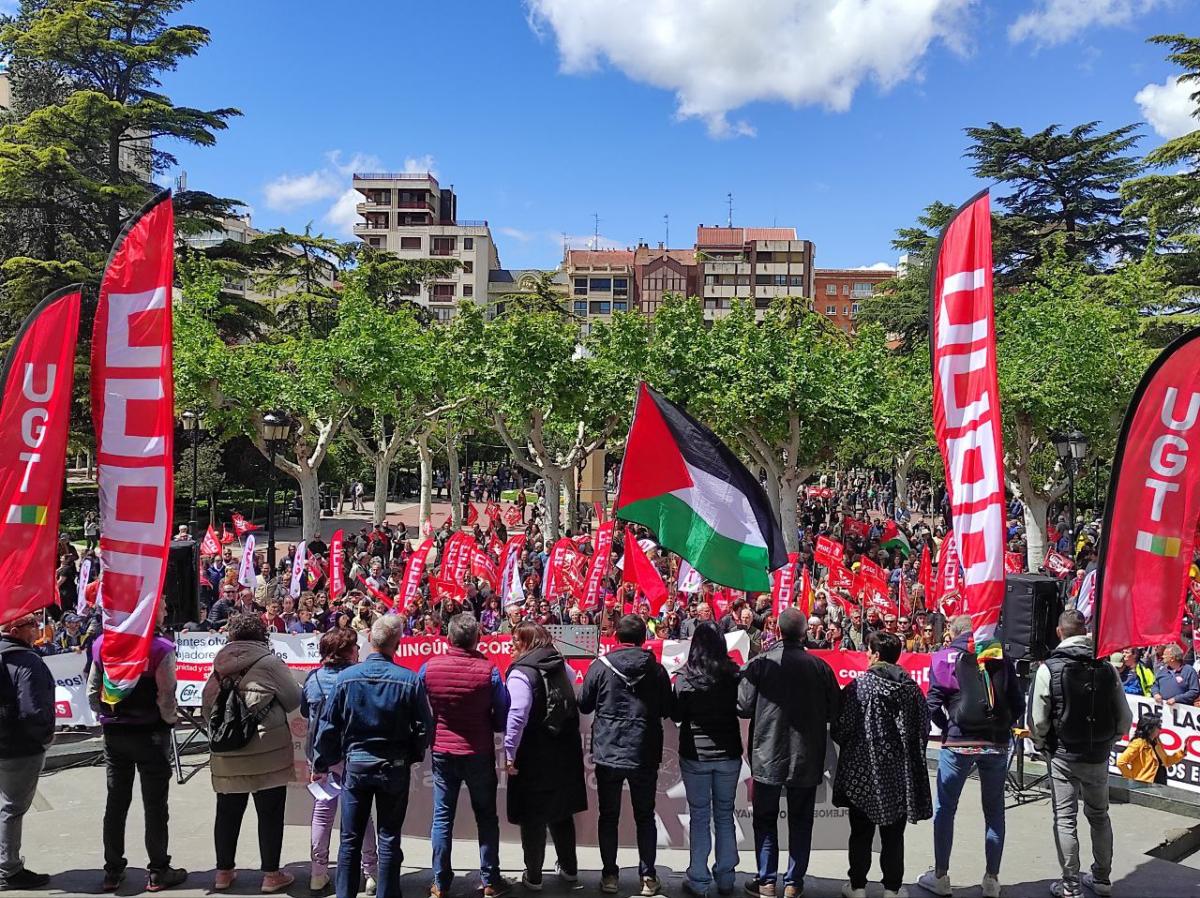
667	229
729	199
565	245
596	231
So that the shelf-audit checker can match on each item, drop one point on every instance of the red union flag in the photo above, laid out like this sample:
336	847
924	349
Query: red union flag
1058	564
133	408
412	573
840	577
35	410
852	526
828	551
210	545
484	568
512	516
1149	530
783	585
598	566
966	406
240	525
337	562
1014	562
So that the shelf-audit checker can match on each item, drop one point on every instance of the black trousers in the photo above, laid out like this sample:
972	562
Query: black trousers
891	851
533	844
146	752
268	805
643	784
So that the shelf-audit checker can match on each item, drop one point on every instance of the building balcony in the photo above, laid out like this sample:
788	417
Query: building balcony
416	205
725	268
722	291
370	226
779	268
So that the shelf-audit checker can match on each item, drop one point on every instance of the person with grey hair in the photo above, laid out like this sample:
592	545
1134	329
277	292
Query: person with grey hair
469	702
1077	713
26	731
377	723
1175	683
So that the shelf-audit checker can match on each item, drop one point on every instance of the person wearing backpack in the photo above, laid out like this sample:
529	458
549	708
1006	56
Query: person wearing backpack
975	703
628	693
246	702
544	754
137	738
26	731
1077	713
339	650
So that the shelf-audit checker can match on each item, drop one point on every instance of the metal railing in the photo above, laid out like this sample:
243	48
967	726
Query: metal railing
395	176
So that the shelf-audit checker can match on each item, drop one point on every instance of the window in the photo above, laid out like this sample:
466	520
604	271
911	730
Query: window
845	289
831	289
374	241
410	242
442	246
854	310
831	310
581	307
863	289
710	280
468	290
443	292
762	280
781	280
600	308
581	286
443	314
468	267
468	243
603	285
620	306
620	283
797	280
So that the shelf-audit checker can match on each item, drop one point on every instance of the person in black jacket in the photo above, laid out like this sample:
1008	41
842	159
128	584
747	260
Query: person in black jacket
544	753
710	756
628	693
790	697
26	730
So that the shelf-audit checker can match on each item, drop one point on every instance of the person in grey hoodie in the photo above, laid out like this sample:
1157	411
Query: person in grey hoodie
1077	712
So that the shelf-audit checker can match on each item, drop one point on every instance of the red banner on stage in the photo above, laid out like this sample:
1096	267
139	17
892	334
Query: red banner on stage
35	412
133	407
1149	530
966	405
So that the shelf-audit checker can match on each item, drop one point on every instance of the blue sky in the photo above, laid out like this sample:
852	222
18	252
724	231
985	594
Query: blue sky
842	118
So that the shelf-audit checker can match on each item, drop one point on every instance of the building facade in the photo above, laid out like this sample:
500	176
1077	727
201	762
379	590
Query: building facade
657	272
504	283
840	291
756	264
410	215
599	283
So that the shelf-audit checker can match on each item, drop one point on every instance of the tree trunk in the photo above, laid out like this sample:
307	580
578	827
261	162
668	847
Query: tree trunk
787	518
572	501
1036	508
426	490
383	470
456	505
310	497
553	481
904	463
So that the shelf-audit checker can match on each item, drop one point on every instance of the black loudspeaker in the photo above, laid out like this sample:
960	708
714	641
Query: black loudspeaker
181	593
1032	604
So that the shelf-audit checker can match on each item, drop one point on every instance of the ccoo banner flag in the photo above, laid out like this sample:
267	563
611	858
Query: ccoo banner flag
1150	522
966	405
133	409
35	411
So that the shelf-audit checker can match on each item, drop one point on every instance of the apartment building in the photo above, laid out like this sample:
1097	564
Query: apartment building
839	292
657	272
411	215
504	283
600	283
757	264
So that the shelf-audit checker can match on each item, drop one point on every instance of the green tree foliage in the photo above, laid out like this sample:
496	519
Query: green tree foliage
90	126
1064	190
1171	196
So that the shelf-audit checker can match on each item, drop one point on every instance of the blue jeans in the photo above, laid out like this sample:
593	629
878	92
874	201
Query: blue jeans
449	774
802	802
953	770
385	784
710	788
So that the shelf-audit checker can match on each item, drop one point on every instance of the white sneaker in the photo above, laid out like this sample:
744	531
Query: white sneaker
1101	887
991	885
563	874
318	884
901	892
370	886
938	885
848	891
529	883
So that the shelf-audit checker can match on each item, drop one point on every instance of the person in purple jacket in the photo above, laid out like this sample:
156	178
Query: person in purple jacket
975	704
543	752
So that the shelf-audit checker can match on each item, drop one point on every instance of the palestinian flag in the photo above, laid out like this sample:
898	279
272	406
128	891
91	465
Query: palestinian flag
894	539
683	483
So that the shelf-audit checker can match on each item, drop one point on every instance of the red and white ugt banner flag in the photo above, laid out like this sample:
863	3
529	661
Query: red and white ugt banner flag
966	405
133	410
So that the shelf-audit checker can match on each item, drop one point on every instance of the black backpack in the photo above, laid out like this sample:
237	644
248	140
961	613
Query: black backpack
231	725
1081	699
979	708
561	707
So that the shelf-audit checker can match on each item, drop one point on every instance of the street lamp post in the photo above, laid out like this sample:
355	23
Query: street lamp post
275	427
193	426
1072	448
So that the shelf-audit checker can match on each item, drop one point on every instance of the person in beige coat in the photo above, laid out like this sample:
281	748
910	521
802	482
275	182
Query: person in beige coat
265	766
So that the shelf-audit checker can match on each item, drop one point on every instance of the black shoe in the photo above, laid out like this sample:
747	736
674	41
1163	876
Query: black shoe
165	879
112	881
25	879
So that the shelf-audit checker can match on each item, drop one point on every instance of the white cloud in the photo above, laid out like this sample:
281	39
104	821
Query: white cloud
289	192
1169	107
720	55
1055	21
420	165
342	214
876	266
516	234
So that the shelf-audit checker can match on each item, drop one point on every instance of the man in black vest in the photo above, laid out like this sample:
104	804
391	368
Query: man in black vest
26	729
1077	712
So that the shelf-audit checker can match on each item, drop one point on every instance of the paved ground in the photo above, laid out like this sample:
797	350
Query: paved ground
62	837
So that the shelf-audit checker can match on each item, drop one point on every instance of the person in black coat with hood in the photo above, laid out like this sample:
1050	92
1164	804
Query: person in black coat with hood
628	693
544	753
